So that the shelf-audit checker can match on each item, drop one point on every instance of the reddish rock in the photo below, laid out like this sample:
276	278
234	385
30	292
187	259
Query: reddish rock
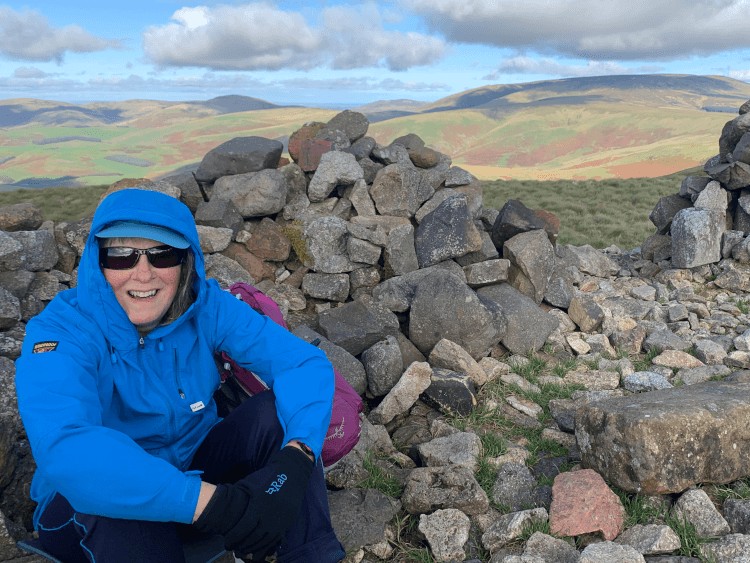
307	132
268	242
295	280
310	152
582	503
258	269
283	161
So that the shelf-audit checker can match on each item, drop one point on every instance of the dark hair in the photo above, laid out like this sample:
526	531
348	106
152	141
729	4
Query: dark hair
185	295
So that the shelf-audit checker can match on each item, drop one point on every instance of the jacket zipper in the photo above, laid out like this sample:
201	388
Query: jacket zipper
177	374
171	413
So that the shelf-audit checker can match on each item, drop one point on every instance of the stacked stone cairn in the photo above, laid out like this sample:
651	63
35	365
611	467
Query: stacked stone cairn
434	308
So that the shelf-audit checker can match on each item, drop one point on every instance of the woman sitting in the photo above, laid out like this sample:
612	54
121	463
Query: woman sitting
115	389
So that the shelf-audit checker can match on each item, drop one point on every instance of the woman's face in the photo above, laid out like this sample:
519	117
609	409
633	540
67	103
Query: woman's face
143	291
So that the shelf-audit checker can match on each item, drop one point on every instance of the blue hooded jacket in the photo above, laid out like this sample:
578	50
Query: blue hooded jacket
108	426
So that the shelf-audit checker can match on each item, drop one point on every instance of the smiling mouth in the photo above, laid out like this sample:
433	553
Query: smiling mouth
142	294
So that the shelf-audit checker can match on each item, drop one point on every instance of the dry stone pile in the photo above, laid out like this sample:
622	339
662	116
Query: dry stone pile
431	305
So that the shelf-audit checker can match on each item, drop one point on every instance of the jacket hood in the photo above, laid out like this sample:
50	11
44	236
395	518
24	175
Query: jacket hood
95	296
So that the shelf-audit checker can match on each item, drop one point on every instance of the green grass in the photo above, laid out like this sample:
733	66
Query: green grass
599	213
690	542
645	363
742	491
59	204
638	509
380	479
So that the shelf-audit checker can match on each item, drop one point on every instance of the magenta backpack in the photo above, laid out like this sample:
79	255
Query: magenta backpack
343	431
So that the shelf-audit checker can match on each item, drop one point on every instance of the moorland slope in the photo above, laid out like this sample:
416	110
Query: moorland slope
578	128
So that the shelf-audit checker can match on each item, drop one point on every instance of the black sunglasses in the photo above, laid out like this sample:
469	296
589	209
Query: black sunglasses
125	258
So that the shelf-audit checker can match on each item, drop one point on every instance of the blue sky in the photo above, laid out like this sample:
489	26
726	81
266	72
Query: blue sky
333	52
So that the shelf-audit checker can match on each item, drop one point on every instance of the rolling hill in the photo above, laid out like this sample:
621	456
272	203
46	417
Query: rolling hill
577	128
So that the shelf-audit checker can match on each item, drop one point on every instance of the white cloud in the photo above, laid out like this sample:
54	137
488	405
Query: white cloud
527	65
28	35
29	72
592	29
208	83
260	36
740	75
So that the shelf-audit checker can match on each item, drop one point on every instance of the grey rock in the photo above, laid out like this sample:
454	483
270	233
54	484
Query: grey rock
364	277
609	552
335	168
644	381
333	287
353	123
357	325
45	286
713	197
509	527
20	217
375	234
338	138
664	211
515	487
359	516
444	307
532	263
347	473
349	366
447	232
528	327
431	488
515	218
400	254
10	309
486	252
709	352
392	154
383	365
450	391
664	340
190	192
588	260
461	448
446	532
615	437
409	141
585	313
547	548
695	506
559	293
651	539
487	272
737	514
404	394
729	549
76	233
239	156
431	204
8	401
457	176
220	213
397	293
39	249
396	190
370	169
361	148
359	195
691	376
655	243
693	185
326	246
362	251
226	271
17	282
213	239
696	237
254	194
409	352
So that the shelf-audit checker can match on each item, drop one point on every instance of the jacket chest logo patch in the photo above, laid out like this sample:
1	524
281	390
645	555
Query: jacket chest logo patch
49	346
195	407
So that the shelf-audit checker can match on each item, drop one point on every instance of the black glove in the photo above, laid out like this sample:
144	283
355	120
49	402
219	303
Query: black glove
255	513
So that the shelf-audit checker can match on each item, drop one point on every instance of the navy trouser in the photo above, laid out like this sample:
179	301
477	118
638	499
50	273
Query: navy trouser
235	447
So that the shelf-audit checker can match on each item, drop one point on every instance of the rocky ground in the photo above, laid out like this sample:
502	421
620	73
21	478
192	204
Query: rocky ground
526	401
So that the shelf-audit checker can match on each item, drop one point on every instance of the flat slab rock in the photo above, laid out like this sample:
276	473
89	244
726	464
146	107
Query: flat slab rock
666	440
582	503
